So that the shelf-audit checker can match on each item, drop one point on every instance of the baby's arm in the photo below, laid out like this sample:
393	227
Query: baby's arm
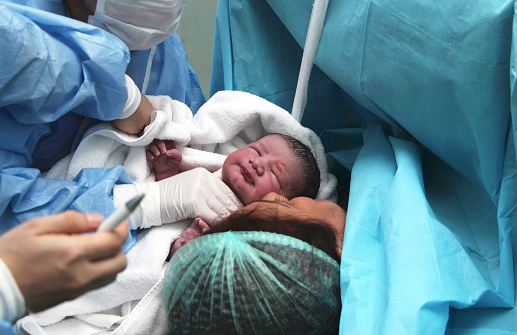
165	159
197	228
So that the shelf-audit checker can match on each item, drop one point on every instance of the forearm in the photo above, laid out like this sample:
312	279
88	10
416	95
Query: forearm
137	112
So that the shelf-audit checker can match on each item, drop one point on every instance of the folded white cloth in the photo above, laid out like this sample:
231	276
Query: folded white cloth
226	122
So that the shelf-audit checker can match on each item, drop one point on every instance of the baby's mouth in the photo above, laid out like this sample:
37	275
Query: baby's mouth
247	176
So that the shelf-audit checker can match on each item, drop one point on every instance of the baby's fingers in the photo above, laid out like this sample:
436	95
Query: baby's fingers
169	145
154	148
174	154
161	146
149	155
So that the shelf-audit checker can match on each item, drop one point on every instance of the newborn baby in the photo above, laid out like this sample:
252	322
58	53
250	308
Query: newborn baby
274	163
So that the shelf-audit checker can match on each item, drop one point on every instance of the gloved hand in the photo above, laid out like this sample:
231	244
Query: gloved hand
190	194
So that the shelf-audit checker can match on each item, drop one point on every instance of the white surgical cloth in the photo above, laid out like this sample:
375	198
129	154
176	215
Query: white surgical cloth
141	24
12	303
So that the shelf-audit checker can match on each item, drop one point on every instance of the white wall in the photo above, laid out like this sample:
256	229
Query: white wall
196	30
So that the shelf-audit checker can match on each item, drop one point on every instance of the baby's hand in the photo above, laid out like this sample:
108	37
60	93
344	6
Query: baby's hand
165	158
196	229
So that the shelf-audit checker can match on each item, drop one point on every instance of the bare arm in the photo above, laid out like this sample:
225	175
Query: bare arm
136	123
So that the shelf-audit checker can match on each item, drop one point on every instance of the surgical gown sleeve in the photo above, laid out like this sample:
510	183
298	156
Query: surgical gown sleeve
6	328
52	66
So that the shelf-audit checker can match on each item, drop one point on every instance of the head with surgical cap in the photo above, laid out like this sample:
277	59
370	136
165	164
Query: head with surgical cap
140	24
251	283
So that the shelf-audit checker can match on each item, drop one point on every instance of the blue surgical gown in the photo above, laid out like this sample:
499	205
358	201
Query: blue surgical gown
57	76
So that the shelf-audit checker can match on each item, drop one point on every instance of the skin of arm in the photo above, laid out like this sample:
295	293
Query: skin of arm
136	123
81	9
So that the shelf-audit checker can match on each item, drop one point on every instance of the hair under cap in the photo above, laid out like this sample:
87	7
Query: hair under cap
251	283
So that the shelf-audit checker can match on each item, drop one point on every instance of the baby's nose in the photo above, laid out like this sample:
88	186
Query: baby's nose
257	164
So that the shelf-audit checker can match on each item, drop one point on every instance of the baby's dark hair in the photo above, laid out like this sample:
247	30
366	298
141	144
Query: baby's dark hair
310	184
316	233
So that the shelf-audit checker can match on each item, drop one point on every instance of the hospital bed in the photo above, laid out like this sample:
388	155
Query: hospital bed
414	102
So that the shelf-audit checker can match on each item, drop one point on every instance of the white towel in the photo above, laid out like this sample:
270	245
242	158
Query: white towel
225	123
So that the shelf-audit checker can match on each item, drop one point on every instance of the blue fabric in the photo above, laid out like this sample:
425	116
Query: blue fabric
421	243
62	69
171	74
6	328
417	105
61	77
270	44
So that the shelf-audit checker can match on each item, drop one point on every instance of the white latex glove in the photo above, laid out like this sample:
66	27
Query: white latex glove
190	194
196	193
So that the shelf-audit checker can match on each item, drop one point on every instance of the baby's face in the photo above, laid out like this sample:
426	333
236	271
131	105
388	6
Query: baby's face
264	166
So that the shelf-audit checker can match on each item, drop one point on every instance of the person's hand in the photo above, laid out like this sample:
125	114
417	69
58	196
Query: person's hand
196	193
165	158
188	195
136	123
52	261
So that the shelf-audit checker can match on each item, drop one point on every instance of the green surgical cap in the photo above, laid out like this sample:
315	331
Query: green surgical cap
251	283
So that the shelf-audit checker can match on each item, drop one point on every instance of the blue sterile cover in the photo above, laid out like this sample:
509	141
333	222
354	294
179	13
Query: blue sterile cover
414	104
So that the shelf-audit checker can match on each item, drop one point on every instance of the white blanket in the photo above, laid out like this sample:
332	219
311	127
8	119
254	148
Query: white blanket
227	122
